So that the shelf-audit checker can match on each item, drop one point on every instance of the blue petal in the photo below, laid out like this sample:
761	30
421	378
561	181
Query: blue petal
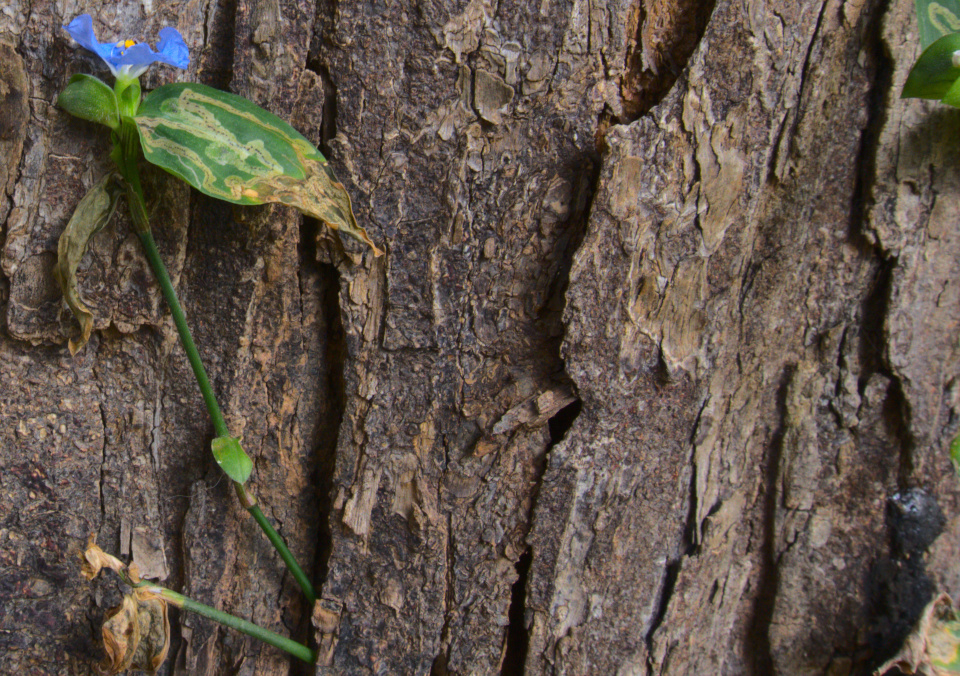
173	48
81	30
139	54
135	59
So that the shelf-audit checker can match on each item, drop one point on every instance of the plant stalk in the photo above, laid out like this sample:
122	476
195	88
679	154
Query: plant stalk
180	320
298	650
128	168
280	546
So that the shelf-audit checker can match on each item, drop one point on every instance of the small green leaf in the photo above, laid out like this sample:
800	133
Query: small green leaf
90	99
231	149
129	96
934	73
952	97
232	458
937	18
955	452
92	213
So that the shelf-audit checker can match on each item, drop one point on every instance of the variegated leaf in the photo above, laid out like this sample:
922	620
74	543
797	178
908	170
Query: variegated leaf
231	149
937	18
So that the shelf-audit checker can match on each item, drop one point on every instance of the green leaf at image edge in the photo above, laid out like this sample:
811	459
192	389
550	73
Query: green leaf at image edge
92	213
952	97
934	73
937	18
229	148
90	99
232	459
955	452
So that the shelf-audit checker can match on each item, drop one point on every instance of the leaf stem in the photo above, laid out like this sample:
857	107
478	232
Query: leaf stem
298	650
128	167
193	356
278	544
138	211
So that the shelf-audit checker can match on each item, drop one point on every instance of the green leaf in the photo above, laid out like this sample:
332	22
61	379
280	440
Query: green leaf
232	458
934	73
937	18
952	97
231	149
955	452
90	99
128	96
92	213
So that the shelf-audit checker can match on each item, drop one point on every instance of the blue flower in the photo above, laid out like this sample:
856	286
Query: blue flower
128	59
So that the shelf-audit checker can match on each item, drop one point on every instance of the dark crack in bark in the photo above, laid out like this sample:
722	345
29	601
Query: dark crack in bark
665	36
518	638
517	635
216	57
323	281
758	642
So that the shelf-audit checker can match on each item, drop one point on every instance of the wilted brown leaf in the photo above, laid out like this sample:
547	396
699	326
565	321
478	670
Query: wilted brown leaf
933	648
92	213
136	635
95	559
121	636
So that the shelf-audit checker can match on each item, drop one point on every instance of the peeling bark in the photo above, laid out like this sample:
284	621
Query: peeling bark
658	374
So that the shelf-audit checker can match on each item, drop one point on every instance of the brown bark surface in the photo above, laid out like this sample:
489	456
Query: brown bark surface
658	374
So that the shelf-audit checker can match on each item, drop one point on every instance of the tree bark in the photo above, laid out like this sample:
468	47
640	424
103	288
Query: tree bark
658	374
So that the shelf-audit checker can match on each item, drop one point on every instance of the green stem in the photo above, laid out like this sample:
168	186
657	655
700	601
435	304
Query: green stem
138	211
285	554
166	287
298	650
210	399
127	162
141	225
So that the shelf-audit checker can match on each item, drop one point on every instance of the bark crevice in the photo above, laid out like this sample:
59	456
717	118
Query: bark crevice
518	637
900	587
759	648
518	629
665	36
325	280
875	307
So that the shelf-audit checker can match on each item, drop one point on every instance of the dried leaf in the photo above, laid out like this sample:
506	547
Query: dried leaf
121	636
154	633
95	559
933	648
92	213
136	635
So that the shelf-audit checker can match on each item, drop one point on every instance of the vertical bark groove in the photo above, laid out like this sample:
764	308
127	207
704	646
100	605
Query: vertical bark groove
517	638
665	35
759	651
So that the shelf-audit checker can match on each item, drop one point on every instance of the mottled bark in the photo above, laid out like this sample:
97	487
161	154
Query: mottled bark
657	375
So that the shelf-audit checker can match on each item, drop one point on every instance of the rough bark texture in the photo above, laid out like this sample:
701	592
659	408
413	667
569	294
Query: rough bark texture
657	376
